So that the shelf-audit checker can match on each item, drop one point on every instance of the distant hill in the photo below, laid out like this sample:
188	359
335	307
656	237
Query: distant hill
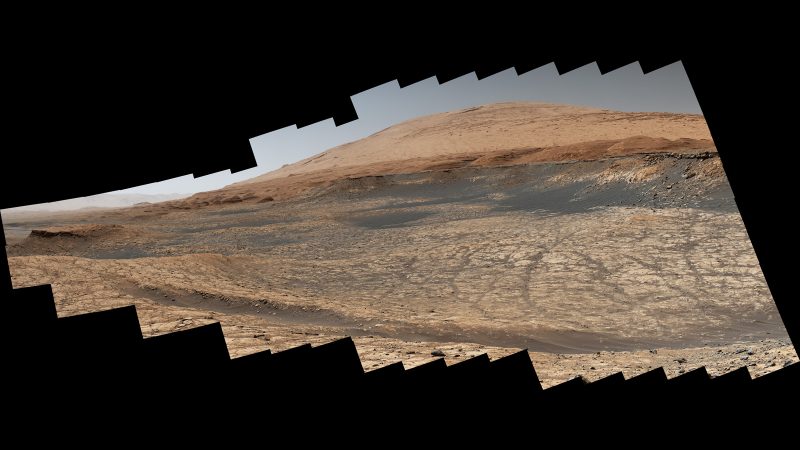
98	201
500	134
503	127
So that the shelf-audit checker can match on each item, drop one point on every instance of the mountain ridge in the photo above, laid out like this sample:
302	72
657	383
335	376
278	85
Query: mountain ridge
496	127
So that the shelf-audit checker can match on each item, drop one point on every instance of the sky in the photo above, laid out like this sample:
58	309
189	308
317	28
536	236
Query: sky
626	89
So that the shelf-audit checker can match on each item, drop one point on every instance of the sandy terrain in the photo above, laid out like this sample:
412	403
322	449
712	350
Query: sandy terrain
619	253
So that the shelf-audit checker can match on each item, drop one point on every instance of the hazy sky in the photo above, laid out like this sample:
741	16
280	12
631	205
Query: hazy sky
625	89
